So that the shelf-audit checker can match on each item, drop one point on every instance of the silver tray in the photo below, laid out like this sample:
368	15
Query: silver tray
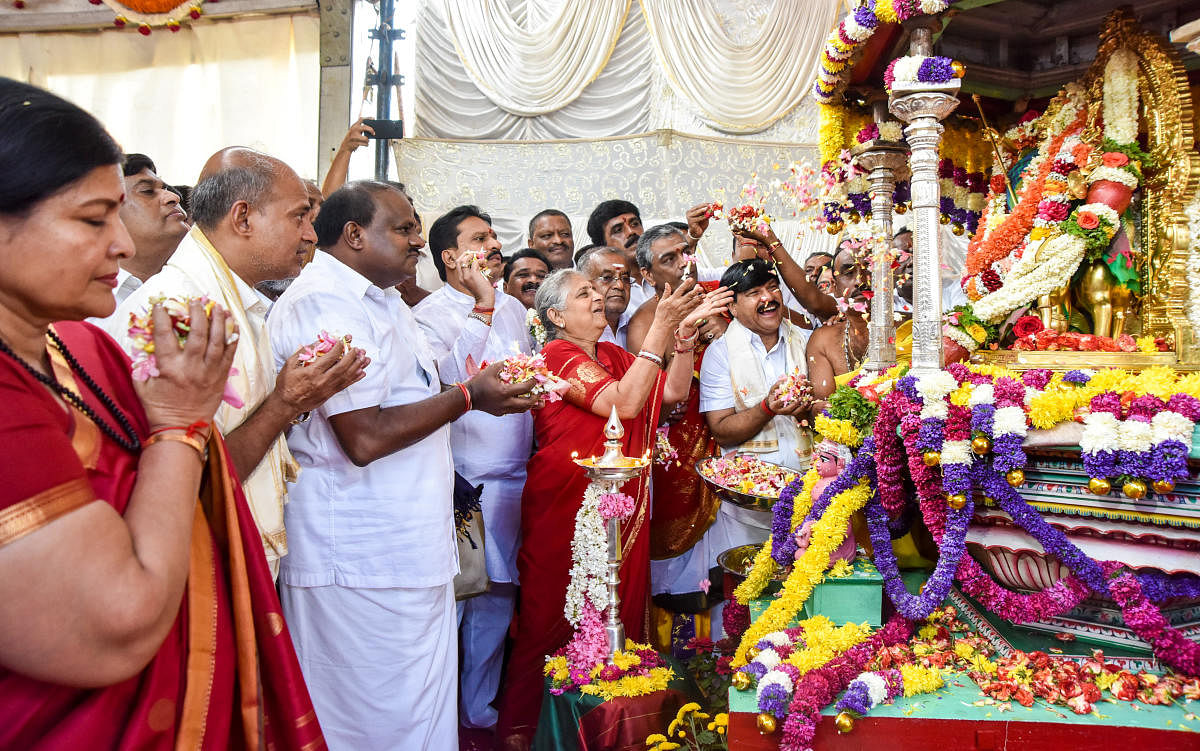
737	497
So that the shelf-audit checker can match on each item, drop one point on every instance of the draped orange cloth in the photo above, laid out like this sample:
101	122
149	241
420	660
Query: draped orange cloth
226	675
552	497
684	506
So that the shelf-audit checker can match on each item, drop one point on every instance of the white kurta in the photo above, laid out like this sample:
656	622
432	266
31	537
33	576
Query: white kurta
489	451
196	268
368	587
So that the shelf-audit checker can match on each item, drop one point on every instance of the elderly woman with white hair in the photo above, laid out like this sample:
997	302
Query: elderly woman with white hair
602	376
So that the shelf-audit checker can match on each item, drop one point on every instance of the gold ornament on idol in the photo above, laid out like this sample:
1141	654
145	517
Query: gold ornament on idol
1099	486
1015	477
844	722
1163	486
931	458
956	501
766	723
741	681
981	445
1135	489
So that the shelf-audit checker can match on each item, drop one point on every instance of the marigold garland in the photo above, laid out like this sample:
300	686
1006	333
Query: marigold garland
809	570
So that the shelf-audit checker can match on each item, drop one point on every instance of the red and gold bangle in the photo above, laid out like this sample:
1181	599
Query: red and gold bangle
191	431
195	443
466	394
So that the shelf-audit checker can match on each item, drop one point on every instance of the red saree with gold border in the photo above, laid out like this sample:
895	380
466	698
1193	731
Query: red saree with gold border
226	675
553	494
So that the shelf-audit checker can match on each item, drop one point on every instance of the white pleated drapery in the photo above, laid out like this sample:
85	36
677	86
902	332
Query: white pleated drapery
485	68
740	87
542	65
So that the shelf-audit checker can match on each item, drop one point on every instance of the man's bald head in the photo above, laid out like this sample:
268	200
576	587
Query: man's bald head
234	157
239	174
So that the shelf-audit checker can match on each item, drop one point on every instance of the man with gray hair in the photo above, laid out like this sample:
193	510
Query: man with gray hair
607	269
251	214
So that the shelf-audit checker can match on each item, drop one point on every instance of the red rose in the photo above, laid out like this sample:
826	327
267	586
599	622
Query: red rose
1027	325
1087	220
1115	159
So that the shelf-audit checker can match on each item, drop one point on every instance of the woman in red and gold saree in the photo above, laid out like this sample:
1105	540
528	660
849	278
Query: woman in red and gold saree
602	377
139	610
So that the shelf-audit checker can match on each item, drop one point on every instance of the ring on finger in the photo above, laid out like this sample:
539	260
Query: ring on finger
709	336
701	322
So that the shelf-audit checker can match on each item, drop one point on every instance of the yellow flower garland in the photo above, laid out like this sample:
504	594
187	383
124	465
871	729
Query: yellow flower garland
838	431
824	641
630	685
886	12
809	570
764	566
831	119
920	680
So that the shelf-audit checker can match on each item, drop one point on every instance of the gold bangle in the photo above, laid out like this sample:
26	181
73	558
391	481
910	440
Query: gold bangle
195	443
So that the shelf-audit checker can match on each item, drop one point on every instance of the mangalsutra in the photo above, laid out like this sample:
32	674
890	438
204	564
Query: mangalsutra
126	438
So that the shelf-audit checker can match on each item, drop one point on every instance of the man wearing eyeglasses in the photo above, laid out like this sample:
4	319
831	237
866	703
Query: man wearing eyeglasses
608	270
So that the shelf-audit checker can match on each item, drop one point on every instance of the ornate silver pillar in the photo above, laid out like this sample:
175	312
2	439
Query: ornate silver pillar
881	159
923	106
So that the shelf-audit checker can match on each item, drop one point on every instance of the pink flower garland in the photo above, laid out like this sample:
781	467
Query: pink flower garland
821	686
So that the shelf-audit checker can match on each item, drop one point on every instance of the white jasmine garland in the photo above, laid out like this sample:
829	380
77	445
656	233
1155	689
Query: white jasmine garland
589	557
1121	97
1113	174
960	337
956	452
876	688
1099	433
1134	435
983	393
1008	420
1038	272
1169	425
1103	211
774	678
1193	262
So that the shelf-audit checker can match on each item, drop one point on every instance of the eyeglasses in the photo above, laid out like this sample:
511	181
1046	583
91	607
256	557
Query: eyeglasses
609	279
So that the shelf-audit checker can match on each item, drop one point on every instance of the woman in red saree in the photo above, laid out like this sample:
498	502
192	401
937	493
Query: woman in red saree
602	376
139	611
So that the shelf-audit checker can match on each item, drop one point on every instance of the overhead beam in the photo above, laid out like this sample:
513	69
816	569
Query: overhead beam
333	117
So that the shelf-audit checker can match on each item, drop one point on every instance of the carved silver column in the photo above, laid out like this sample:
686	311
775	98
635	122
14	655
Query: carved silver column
923	106
881	159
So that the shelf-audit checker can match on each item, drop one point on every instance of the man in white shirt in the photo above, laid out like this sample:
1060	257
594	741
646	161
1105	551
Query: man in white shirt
606	268
466	317
739	380
368	589
155	221
251	214
618	224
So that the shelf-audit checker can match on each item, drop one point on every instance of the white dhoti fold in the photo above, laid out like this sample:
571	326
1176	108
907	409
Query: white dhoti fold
381	664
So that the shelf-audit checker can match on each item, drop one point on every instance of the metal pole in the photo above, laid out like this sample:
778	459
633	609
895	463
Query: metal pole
383	93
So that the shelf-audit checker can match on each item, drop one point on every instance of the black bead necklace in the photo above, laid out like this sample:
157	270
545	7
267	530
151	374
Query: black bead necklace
127	438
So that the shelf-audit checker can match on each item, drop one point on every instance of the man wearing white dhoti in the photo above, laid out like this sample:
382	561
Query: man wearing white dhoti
368	587
251	225
467	317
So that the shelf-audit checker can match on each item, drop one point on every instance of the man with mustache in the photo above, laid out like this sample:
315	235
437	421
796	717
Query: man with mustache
606	269
840	346
550	234
524	273
468	318
618	224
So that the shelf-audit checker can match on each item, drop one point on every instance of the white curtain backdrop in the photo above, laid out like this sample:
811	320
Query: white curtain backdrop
741	87
530	66
179	97
712	67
